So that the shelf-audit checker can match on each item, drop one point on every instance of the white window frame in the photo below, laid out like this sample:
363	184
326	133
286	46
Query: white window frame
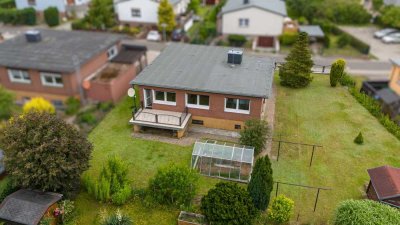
237	110
112	52
165	102
196	106
53	76
139	15
32	2
21	72
244	22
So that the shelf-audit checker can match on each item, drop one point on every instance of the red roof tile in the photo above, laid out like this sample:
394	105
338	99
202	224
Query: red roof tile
386	181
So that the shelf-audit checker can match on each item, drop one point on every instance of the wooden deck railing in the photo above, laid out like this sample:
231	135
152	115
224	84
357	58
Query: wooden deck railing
158	117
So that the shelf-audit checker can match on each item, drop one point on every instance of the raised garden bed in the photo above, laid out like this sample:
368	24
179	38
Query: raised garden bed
187	218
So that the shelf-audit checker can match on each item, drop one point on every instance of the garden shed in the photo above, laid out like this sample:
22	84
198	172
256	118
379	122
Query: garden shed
223	160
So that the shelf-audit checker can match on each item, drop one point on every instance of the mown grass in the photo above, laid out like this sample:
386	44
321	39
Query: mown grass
330	117
113	137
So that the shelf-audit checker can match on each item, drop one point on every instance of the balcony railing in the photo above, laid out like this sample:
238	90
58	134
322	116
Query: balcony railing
161	117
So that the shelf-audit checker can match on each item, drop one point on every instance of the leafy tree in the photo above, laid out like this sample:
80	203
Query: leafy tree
194	6
174	185
281	209
377	4
365	212
337	71
261	183
228	203
254	134
51	16
359	139
6	103
391	16
112	183
44	152
296	72
40	105
101	14
166	16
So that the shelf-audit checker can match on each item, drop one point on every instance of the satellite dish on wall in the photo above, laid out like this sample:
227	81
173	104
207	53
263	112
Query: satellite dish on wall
131	92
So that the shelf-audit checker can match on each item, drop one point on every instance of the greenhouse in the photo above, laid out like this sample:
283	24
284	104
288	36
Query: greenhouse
223	160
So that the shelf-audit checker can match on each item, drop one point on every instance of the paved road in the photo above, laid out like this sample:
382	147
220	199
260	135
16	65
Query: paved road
379	49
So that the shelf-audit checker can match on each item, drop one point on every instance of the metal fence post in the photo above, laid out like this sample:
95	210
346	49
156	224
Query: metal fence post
312	154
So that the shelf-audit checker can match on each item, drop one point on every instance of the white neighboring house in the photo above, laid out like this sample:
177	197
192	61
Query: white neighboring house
392	2
261	20
144	11
63	6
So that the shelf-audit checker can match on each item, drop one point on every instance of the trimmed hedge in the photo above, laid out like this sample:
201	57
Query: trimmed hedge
356	43
365	212
18	17
288	38
52	16
236	40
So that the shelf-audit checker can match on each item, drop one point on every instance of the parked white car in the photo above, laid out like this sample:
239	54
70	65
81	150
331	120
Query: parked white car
153	35
392	38
382	33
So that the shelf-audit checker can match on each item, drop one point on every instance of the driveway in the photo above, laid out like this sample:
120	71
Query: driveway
384	52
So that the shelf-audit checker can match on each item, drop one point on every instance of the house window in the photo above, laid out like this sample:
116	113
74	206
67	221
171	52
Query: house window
198	101
238	126
136	12
112	52
244	22
237	105
32	2
19	76
51	79
163	97
57	103
198	122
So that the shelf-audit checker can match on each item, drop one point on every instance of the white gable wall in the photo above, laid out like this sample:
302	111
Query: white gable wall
148	8
148	11
41	5
261	22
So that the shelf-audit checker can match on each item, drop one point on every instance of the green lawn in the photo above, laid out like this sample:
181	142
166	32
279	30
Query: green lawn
113	136
330	117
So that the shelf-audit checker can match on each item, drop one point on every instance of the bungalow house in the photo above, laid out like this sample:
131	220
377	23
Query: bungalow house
28	207
384	185
56	65
63	6
144	12
215	87
387	92
260	20
392	2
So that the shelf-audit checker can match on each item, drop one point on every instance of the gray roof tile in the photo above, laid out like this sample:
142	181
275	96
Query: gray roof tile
56	50
205	69
312	30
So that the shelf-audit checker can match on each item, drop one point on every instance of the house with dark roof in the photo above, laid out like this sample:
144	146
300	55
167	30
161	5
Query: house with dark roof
65	7
215	87
384	185
28	207
60	64
260	20
387	92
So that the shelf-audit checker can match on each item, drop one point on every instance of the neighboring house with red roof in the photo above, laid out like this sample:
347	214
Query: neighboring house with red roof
384	185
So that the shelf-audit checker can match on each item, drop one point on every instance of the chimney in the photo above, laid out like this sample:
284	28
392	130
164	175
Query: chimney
33	36
245	2
235	56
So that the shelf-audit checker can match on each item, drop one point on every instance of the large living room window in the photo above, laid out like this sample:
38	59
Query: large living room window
51	79
198	101
237	105
163	97
19	76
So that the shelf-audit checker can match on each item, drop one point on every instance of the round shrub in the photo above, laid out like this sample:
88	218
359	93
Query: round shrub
6	103
228	203
254	134
365	212
174	185
51	16
39	105
73	105
281	209
288	38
